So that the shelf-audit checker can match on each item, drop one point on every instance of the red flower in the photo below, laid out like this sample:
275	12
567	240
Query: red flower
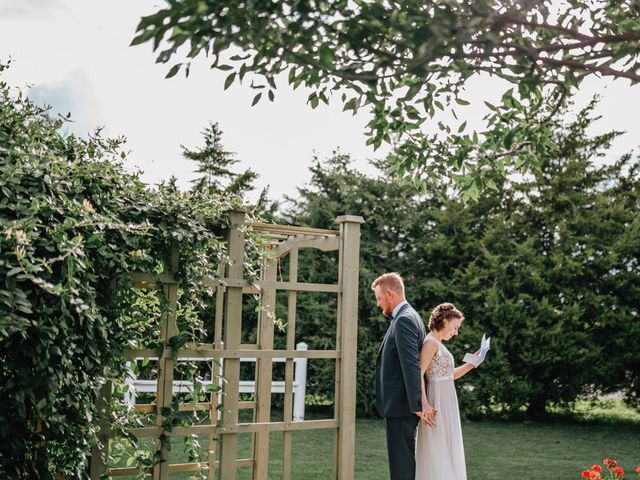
618	471
587	473
610	463
597	468
638	470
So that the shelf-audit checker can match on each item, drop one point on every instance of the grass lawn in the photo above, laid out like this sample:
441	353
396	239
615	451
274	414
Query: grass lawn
494	450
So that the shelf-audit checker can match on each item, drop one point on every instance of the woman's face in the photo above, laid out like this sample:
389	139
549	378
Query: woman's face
451	328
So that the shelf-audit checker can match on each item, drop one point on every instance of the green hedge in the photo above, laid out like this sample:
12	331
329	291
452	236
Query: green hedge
73	222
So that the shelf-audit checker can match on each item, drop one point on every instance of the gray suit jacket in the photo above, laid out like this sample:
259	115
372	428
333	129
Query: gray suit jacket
398	382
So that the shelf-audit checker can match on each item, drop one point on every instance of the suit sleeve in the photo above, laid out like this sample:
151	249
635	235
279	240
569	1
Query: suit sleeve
408	342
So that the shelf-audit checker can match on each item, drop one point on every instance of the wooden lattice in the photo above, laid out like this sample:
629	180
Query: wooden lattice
223	430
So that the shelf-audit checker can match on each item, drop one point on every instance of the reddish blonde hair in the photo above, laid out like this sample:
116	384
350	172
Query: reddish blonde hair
389	281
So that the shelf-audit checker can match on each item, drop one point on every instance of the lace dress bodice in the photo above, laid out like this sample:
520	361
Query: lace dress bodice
442	364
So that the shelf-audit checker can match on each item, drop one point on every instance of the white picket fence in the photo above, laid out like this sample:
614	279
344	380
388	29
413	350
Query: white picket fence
136	385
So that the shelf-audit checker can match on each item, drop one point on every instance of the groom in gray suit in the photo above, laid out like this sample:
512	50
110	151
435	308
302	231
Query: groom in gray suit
398	382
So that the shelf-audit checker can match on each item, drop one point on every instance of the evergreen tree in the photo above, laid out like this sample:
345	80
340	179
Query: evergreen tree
547	265
546	273
215	165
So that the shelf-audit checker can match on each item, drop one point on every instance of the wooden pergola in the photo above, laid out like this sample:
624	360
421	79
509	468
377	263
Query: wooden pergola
227	348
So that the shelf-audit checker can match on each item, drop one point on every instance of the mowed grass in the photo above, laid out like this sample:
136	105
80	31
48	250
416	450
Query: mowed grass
494	450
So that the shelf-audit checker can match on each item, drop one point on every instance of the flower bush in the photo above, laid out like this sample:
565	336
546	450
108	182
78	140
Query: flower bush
615	472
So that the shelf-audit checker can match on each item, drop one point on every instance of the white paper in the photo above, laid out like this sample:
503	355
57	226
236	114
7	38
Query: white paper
477	359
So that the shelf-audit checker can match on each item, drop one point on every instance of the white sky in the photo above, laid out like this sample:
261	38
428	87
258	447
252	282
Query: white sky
75	56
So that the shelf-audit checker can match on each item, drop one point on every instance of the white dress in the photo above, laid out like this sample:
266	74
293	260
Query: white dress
439	449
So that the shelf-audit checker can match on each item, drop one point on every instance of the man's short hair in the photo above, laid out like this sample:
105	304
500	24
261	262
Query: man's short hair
389	281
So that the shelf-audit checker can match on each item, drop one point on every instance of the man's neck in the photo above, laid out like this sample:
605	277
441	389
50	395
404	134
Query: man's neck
397	307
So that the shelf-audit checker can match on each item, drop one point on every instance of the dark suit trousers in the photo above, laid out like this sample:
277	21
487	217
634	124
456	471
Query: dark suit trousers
401	445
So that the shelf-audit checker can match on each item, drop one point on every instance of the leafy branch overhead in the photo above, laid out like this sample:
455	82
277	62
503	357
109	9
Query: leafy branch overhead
410	61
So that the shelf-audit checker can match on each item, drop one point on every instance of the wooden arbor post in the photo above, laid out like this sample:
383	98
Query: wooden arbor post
347	344
232	339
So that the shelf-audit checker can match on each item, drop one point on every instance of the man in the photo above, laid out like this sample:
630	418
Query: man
398	382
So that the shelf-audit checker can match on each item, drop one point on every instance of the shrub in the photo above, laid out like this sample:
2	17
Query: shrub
73	224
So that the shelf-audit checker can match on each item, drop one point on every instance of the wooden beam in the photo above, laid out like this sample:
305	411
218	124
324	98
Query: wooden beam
325	244
292	230
232	339
229	430
288	375
178	467
348	344
258	286
264	368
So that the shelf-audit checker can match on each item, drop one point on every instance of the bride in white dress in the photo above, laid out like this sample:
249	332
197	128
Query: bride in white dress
439	447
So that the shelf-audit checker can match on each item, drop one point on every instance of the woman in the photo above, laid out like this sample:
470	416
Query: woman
439	448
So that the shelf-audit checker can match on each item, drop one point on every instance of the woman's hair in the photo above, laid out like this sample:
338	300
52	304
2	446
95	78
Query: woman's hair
444	311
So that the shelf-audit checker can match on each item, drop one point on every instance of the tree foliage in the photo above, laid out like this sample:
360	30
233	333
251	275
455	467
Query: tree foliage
214	165
407	62
551	273
217	176
547	265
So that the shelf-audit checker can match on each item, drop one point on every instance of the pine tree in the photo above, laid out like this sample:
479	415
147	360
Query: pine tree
217	175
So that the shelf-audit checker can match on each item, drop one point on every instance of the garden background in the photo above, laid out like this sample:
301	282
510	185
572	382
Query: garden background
544	259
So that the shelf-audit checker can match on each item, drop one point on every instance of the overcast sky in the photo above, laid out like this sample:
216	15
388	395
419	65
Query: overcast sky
75	56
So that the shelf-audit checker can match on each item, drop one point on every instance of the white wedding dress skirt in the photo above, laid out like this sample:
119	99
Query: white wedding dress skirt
439	449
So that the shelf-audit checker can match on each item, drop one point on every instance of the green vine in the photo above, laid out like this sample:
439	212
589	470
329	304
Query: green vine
73	226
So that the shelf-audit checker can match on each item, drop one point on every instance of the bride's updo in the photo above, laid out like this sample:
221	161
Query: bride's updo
444	311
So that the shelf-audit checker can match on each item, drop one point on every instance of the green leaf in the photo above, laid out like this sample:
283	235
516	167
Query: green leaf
491	106
313	100
471	192
229	80
292	75
173	70
327	56
350	105
256	99
508	138
143	37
